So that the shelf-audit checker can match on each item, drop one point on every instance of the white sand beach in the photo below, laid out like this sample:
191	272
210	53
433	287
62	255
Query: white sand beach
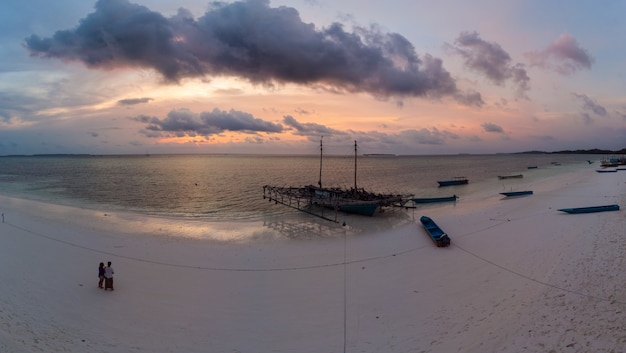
520	276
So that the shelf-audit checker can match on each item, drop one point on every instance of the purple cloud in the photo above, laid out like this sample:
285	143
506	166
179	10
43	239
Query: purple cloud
491	127
252	40
491	60
591	105
183	122
564	56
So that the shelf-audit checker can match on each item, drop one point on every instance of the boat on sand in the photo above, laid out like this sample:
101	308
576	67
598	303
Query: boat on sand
517	193
434	199
590	209
516	176
438	236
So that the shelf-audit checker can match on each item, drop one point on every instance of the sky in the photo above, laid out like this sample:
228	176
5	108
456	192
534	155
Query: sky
276	77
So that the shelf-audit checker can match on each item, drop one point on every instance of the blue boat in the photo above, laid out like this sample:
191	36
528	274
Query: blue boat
436	233
455	181
434	199
591	209
516	193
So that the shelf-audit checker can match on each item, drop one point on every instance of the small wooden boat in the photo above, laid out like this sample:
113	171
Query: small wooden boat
516	176
591	209
436	233
606	170
454	181
516	193
532	167
434	199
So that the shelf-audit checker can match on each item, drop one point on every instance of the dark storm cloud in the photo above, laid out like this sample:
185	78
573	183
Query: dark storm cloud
491	127
564	56
183	122
249	39
491	60
133	101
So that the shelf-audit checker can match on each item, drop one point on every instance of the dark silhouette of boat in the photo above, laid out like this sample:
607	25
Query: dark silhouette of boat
434	199
516	176
353	200
516	193
455	181
590	209
606	170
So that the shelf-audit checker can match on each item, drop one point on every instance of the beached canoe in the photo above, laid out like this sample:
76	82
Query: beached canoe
435	232
516	193
434	199
516	176
606	170
591	209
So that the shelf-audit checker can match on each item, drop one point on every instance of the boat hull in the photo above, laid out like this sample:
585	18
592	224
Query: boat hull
434	199
439	237
516	193
511	176
590	209
606	170
452	182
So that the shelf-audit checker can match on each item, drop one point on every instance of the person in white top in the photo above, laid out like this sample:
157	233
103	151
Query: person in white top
108	276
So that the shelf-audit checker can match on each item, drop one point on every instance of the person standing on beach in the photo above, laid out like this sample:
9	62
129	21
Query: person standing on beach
108	276
101	275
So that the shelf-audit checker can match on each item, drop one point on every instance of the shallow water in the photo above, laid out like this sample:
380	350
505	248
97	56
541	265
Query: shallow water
230	187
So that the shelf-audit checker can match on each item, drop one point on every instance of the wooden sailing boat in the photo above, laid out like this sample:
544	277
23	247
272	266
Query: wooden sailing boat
353	200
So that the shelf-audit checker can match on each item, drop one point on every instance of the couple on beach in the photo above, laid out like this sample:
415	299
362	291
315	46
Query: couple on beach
106	275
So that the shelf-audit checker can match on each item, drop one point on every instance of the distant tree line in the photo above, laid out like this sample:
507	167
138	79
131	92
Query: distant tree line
591	151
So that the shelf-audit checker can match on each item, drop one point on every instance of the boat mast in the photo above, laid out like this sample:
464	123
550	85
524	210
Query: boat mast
321	149
355	192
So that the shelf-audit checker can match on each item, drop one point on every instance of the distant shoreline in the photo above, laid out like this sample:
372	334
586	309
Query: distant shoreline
591	151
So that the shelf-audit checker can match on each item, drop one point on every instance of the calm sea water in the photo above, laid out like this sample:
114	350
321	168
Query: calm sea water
230	187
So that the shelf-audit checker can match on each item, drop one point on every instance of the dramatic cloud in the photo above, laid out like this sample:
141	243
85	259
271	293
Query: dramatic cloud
491	127
182	122
564	56
252	40
491	60
133	101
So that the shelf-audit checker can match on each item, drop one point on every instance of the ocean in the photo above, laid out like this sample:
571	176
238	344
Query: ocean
230	187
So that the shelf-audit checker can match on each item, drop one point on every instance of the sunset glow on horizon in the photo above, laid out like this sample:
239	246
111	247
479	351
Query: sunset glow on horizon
256	76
